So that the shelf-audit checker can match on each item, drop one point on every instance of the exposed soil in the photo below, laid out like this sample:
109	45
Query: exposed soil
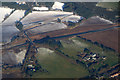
108	38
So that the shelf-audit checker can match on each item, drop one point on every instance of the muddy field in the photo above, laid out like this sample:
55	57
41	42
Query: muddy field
108	38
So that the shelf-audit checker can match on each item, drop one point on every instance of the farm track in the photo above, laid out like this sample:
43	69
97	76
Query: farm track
64	33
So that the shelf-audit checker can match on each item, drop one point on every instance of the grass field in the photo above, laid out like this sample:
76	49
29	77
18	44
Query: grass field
75	45
112	5
58	66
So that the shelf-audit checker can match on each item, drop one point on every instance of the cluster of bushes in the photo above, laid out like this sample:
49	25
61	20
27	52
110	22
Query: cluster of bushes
14	5
26	6
50	41
14	37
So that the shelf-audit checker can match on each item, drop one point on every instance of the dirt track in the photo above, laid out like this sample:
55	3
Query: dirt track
107	38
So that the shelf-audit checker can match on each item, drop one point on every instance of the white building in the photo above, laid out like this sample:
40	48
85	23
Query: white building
41	8
58	6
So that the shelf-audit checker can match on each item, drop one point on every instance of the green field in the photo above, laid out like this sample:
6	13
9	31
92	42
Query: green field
58	66
109	5
77	45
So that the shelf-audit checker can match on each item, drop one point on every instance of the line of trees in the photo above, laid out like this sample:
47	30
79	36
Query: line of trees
98	44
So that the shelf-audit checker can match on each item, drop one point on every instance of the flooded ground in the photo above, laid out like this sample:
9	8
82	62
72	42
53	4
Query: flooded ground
8	26
13	58
47	27
4	11
43	16
14	17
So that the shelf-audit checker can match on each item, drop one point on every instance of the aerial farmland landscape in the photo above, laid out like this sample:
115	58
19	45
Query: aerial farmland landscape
71	40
